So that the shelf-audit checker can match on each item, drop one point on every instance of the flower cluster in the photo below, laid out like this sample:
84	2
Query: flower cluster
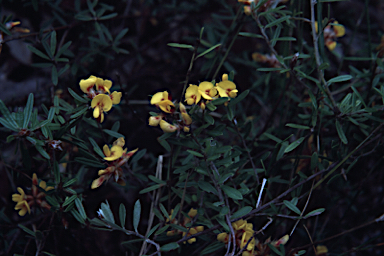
331	33
264	7
117	156
163	101
25	202
101	102
244	236
208	91
186	223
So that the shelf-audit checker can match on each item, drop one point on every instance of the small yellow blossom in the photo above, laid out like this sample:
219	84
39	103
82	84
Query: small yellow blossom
244	240
86	85
101	103
331	33
162	100
112	154
192	94
207	90
192	213
155	120
115	97
222	237
103	85
18	198
240	224
23	206
227	88
167	127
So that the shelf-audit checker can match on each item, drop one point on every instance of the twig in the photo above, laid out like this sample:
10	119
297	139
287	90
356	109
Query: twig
302	212
261	192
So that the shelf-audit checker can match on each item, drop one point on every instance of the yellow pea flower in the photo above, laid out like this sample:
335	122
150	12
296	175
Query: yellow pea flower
240	224
167	127
112	154
155	120
162	100
244	240
226	88
115	97
103	85
331	33
207	90
18	198
222	237
87	84
101	103
23	206
192	94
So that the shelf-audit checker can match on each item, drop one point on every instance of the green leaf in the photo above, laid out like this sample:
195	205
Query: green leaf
4	29
69	183
358	95
38	52
341	132
338	79
63	49
314	212
269	69
207	51
121	34
313	99
314	160
298	126
28	110
42	152
232	193
275	250
89	162
26	230
209	119
238	98
292	207
278	21
212	248
162	230
113	133
176	45
136	214
80	112
123	215
107	213
206	186
108	16
246	34
165	144
76	96
153	230
53	42
294	145
151	188
242	212
7	115
56	172
195	153
69	200
77	216
139	155
158	181
96	147
287	38
80	208
169	247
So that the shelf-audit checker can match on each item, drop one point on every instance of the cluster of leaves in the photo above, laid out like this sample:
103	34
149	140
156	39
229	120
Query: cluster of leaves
300	138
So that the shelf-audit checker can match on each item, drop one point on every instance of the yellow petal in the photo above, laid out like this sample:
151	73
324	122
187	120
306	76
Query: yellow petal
321	249
339	29
116	152
34	179
331	45
225	77
96	112
222	237
119	142
158	97
166	106
106	150
97	182
166	127
102	100
87	84
186	118
116	97
192	213
101	117
154	120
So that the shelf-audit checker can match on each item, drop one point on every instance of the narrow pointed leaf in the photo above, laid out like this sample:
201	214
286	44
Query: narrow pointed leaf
136	214
28	110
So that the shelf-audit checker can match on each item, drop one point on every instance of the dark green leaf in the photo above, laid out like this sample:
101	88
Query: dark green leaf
109	16
208	50
28	110
56	172
169	247
341	133
107	213
314	212
195	153
69	183
341	78
294	145
7	115
53	42
151	188
69	200
42	152
77	97
176	45
38	52
292	207
80	112
238	98
298	126
136	214
26	229
242	212
232	193
80	208
113	133
206	186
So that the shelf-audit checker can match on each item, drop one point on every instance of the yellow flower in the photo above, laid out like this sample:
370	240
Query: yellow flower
244	240
167	127
192	213
112	154
192	95
23	206
226	88
115	97
186	118
222	237
155	120
331	33
282	241
161	99
103	85
101	103
18	198
119	142
240	224
87	84
207	90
